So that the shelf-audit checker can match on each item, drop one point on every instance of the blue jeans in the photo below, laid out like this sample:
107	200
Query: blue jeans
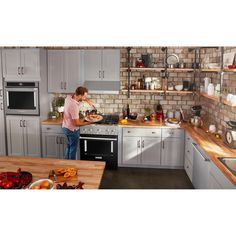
72	143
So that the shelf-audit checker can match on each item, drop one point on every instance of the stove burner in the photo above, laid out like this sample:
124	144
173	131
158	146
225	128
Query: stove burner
109	120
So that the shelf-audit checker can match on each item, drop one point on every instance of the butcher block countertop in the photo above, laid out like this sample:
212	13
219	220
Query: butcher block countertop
50	121
89	172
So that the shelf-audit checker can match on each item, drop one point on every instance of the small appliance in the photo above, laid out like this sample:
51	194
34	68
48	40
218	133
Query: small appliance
230	134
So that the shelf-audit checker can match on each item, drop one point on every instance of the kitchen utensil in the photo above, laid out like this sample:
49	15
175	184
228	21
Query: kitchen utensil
211	89
179	87
207	80
172	59
230	137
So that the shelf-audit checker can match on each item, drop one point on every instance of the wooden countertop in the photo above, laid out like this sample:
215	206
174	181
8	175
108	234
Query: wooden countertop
50	121
213	147
89	172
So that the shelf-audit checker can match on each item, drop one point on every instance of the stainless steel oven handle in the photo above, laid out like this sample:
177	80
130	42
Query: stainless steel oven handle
91	138
85	145
112	147
34	98
7	99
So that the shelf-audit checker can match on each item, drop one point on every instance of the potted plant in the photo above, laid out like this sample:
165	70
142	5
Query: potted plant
60	101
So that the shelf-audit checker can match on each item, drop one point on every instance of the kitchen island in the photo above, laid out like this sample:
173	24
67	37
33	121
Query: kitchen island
89	172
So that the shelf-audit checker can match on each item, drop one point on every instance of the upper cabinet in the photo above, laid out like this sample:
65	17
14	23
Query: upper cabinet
21	64
101	65
64	74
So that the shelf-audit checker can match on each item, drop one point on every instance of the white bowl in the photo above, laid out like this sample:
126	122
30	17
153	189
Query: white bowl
38	182
179	87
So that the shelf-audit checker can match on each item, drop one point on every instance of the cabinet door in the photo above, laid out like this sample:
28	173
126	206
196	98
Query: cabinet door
92	65
55	71
2	131
30	65
1	85
131	150
32	144
172	152
111	65
51	145
15	136
11	64
151	151
62	146
72	70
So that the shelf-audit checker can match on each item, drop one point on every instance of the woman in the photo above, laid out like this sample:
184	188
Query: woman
71	121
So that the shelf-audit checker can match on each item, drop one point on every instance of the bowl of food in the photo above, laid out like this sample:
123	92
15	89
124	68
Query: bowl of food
42	184
133	115
179	87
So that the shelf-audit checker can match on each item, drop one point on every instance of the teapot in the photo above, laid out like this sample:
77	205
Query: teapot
197	121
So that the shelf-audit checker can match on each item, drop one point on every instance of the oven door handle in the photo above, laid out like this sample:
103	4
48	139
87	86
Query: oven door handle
7	99
34	98
85	145
91	138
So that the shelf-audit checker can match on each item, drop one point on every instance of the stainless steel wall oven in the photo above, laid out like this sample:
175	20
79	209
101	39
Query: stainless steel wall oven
21	98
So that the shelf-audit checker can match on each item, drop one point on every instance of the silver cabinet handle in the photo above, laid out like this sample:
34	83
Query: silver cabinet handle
143	144
1	94
103	73
201	154
21	123
61	85
57	140
99	74
2	106
129	132
138	143
7	99
22	70
65	85
18	70
24	123
163	145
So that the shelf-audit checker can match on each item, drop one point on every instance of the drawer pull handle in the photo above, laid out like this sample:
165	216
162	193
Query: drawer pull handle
129	132
48	128
153	132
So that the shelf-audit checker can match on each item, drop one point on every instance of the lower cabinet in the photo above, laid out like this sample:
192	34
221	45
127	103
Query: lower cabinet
148	147
141	150
23	136
54	141
217	180
188	156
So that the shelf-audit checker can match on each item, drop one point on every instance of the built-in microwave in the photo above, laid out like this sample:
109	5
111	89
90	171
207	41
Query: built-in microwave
21	98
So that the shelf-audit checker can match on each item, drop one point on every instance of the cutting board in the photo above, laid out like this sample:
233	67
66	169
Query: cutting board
61	178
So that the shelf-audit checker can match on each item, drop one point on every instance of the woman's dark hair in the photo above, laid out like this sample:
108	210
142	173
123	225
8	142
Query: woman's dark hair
81	91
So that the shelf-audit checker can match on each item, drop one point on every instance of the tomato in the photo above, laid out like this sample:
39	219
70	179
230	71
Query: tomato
6	184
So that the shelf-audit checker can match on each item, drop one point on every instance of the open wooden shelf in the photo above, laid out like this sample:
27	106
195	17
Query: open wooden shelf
158	91
217	99
157	69
180	69
215	70
229	70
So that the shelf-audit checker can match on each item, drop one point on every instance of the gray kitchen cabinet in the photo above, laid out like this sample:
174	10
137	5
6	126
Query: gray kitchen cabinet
23	136
64	74
201	167
21	64
172	152
2	131
131	150
101	65
217	180
188	156
141	147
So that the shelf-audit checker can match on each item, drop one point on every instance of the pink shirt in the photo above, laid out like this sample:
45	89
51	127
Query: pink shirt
71	112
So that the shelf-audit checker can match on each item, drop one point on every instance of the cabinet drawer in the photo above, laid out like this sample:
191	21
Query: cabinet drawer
189	155
141	132
52	129
188	168
172	133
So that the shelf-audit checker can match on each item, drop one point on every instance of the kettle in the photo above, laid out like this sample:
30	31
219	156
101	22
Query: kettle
196	121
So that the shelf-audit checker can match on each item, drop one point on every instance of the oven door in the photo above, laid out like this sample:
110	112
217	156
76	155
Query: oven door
22	101
100	148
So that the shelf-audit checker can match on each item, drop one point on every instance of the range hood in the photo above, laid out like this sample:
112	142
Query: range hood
103	87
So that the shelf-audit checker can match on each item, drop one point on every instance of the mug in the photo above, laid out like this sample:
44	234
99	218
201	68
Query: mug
212	128
229	96
233	99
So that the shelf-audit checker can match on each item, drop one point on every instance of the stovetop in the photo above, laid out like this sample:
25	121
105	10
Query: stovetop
107	126
109	120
